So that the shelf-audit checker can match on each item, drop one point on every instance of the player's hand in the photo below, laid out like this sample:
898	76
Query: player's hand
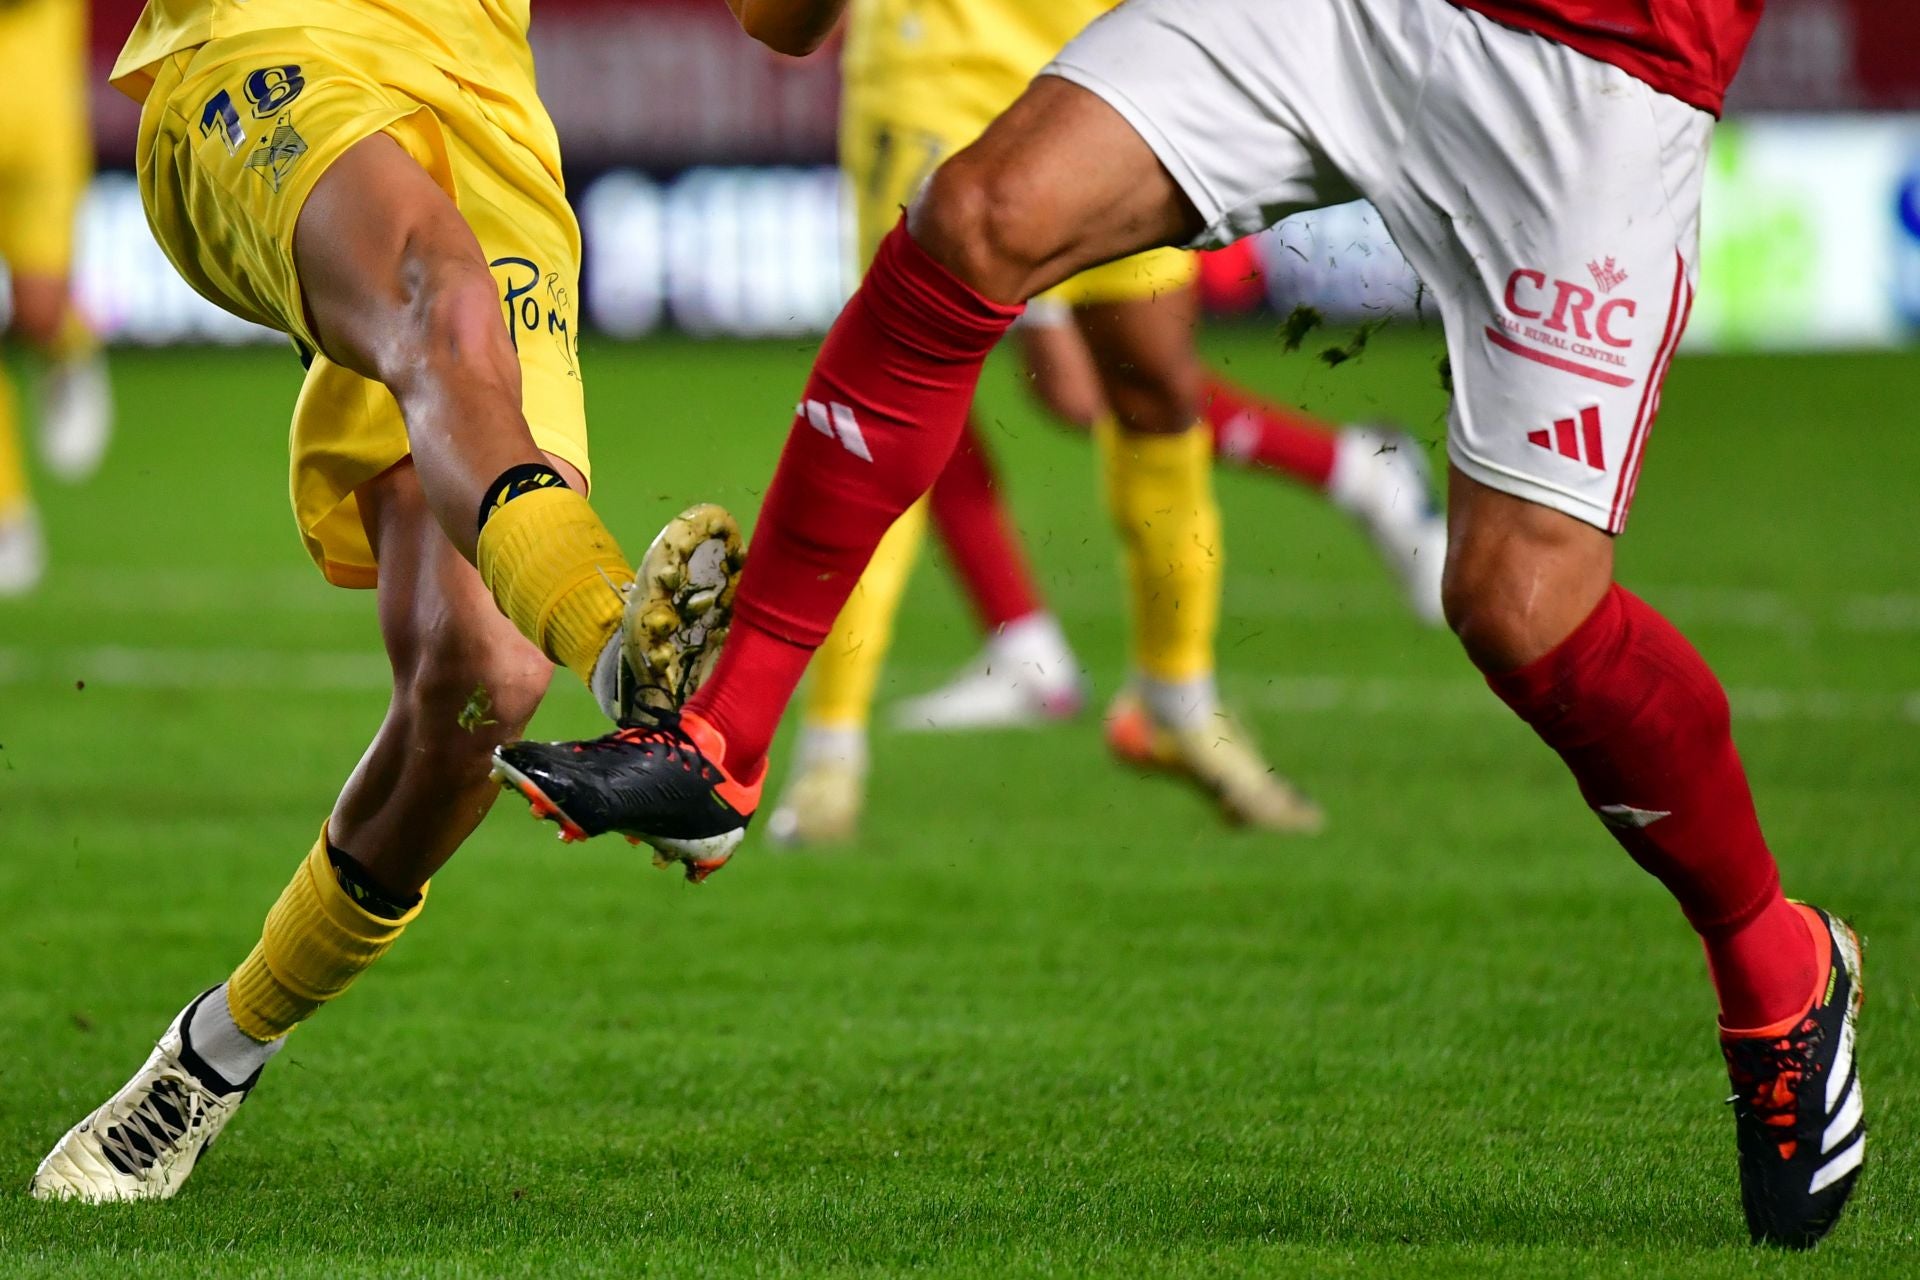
794	27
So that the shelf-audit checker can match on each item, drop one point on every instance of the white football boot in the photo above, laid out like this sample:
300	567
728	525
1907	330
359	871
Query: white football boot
1217	754
23	553
76	416
1380	478
826	790
143	1141
1027	675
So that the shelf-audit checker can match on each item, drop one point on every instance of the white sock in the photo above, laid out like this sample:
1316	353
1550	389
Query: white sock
1351	486
212	1034
606	679
1034	644
832	744
1180	704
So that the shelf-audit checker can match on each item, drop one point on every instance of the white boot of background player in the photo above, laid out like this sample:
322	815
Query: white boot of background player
76	415
1026	675
1380	478
23	552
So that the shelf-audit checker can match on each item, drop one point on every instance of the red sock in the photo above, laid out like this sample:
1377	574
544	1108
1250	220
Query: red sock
887	399
1249	430
977	531
1643	724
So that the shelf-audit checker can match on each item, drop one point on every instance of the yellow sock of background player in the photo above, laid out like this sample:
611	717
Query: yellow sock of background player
846	670
23	555
15	500
1160	494
822	801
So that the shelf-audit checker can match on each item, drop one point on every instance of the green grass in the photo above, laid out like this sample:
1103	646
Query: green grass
1044	1019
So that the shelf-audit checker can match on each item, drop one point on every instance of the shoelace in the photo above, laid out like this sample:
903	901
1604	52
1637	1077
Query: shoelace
662	735
1759	1067
172	1109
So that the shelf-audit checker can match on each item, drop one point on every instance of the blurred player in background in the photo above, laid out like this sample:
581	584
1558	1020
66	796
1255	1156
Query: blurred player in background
922	78
1540	163
380	181
46	158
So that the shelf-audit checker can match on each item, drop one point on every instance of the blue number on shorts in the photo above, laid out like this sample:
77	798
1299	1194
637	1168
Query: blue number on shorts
221	116
272	88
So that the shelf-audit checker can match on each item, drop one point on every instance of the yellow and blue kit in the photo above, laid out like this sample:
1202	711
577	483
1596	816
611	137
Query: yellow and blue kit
924	78
246	104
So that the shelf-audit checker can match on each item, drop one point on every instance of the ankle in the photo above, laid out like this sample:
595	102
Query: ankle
1768	971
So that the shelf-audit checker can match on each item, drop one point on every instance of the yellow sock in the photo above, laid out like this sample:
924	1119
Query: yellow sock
846	670
1160	493
317	940
557	573
14	496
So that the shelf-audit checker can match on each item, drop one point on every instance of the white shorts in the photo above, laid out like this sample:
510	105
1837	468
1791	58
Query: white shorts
1549	202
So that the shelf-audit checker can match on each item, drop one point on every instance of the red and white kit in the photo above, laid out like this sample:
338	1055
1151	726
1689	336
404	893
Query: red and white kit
1547	194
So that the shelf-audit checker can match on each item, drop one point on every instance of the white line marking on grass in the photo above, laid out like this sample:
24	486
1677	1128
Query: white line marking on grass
116	666
337	671
1253	596
1260	598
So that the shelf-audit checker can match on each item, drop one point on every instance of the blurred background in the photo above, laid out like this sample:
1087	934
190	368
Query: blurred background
701	165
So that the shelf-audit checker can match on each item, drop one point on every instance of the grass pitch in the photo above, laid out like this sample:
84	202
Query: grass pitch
1044	1018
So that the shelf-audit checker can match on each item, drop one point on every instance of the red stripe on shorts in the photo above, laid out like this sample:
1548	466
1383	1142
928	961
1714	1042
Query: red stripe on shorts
1649	399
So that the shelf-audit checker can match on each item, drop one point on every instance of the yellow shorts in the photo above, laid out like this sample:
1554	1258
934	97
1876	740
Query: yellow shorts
46	151
234	136
887	161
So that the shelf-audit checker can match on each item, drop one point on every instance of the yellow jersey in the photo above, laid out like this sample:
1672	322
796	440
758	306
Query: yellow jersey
481	42
931	59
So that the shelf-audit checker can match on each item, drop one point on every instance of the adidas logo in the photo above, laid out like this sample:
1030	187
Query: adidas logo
835	421
1581	441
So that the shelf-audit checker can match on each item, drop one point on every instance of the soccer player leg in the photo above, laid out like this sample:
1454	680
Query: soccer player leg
1026	673
889	395
1058	367
826	791
1564	299
1157	460
44	170
1374	472
310	189
23	556
464	680
1020	209
401	292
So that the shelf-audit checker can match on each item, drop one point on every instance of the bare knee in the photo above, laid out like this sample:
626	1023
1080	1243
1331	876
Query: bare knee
1153	396
458	696
1519	577
986	222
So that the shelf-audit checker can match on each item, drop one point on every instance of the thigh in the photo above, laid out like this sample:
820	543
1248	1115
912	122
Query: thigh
233	138
1255	108
347	429
1144	351
500	192
1551	205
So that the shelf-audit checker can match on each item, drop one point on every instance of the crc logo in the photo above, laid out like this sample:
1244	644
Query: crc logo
1572	311
531	308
